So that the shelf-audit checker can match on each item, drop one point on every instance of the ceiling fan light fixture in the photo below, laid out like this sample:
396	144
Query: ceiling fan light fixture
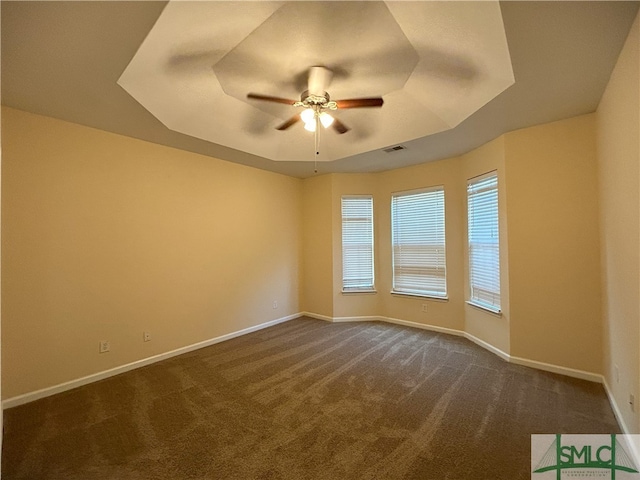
310	126
308	116
326	119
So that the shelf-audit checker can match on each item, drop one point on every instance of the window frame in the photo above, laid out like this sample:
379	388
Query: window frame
440	294
494	306
361	288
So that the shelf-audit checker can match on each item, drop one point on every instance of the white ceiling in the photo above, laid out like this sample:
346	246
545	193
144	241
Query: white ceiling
64	59
434	63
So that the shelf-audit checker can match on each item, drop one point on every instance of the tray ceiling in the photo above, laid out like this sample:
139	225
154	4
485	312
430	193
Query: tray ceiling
64	59
434	63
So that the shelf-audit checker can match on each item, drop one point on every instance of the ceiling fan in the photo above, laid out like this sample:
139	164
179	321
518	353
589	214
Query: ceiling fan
316	101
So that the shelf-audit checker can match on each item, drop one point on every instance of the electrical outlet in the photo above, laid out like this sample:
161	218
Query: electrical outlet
146	337
105	346
632	402
275	304
424	308
616	373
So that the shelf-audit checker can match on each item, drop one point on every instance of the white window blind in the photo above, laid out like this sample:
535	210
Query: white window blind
484	242
357	243
418	238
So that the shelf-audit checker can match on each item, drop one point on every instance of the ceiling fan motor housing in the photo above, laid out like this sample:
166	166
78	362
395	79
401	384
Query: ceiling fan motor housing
310	100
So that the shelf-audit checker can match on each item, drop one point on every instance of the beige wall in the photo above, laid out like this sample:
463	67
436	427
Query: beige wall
105	237
453	313
317	282
490	328
352	304
447	314
322	212
554	273
618	121
550	278
1	409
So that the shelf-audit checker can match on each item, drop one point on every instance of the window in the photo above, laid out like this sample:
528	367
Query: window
418	239
357	243
484	244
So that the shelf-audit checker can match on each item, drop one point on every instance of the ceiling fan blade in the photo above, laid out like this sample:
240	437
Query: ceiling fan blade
339	127
269	98
360	102
319	79
288	123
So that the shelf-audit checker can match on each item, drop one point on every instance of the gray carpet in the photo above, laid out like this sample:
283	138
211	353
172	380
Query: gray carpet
306	400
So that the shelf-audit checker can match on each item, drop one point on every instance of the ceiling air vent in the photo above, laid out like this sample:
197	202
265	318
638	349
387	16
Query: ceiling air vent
395	148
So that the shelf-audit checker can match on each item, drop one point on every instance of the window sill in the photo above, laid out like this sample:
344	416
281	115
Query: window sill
484	308
359	292
419	295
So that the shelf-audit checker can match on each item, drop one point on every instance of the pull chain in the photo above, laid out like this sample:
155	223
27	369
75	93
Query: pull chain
317	142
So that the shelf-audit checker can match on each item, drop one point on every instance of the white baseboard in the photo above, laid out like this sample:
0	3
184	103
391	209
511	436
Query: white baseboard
45	392
317	316
433	328
487	346
616	409
63	387
449	331
570	372
354	319
548	367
